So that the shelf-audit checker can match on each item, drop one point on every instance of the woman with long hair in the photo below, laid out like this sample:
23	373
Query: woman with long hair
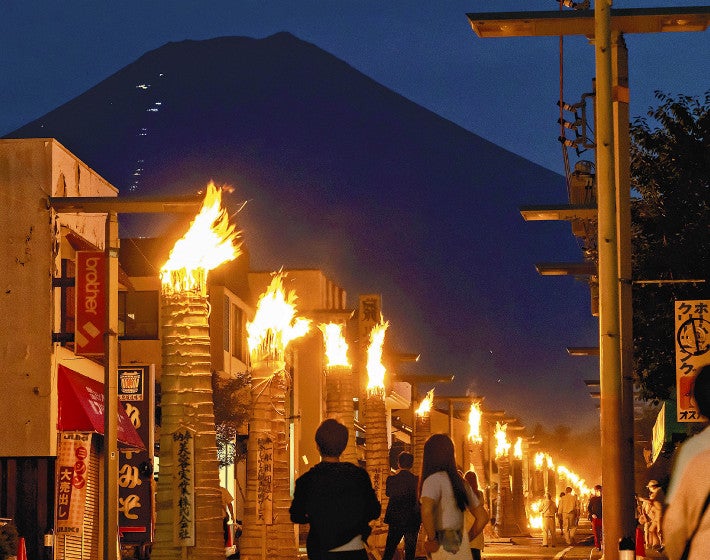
444	496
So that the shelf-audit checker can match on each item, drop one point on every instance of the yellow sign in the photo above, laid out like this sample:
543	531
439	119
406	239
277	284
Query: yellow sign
692	351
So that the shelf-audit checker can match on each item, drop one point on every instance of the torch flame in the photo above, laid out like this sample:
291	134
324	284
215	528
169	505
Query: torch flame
375	369
336	348
539	458
535	517
425	406
502	444
208	243
274	325
474	423
518	448
548	460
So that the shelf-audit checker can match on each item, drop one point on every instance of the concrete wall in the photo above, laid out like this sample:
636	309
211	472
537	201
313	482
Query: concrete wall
31	170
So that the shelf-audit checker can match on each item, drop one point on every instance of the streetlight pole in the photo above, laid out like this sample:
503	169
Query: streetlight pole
613	204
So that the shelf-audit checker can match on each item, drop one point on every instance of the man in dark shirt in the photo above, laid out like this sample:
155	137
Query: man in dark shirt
594	509
336	499
403	515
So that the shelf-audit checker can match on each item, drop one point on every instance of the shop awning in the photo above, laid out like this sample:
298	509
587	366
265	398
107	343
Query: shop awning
81	408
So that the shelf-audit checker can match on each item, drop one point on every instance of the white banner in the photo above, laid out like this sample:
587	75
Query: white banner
72	472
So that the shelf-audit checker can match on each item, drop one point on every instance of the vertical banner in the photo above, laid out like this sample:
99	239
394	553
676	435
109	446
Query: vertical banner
265	480
135	474
183	457
90	303
692	351
72	471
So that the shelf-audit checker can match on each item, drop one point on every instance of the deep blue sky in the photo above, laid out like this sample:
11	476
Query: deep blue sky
505	90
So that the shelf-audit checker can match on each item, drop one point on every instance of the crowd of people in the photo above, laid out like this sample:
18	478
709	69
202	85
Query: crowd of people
338	501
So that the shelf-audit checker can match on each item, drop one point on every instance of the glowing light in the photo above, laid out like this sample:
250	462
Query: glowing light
375	370
502	443
574	480
425	406
539	459
210	241
534	516
548	461
474	423
518	448
336	348
275	323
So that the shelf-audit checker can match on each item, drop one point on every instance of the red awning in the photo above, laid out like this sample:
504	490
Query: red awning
81	408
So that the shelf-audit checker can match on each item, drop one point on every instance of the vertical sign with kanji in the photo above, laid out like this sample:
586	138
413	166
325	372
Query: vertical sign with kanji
183	456
135	474
90	303
692	351
265	480
72	476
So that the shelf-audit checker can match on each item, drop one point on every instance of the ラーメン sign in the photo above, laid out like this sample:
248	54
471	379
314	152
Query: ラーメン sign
90	317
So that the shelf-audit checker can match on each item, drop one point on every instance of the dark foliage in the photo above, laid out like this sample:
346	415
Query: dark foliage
232	401
8	541
670	172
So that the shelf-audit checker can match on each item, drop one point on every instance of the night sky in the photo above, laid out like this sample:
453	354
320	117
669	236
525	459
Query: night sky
505	90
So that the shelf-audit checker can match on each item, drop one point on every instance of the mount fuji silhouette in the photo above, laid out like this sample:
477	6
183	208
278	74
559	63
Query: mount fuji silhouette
343	174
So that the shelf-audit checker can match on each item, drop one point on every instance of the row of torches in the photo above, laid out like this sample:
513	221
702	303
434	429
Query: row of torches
268	532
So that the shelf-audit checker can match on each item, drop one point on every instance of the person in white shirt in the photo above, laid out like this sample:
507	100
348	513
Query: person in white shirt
444	495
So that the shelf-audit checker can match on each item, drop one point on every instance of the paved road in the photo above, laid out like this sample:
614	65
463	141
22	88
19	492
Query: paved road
530	547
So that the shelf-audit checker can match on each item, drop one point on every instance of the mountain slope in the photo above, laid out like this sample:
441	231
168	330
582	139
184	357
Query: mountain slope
341	173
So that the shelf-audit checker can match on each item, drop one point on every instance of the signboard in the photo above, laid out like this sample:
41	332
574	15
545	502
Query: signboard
72	471
265	480
183	491
90	309
692	351
135	474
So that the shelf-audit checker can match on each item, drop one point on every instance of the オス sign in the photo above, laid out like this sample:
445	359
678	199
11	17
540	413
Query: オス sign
90	303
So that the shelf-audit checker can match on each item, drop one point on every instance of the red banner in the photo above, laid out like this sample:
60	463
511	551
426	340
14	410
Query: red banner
90	303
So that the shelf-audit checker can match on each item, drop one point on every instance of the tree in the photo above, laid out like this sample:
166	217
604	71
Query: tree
670	174
232	406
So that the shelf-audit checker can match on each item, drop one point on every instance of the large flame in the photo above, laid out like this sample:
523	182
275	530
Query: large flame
425	406
502	444
208	243
336	348
275	323
375	369
474	423
548	461
539	459
518	448
534	516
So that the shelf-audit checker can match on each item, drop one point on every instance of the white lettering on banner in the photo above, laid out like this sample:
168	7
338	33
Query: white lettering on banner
93	286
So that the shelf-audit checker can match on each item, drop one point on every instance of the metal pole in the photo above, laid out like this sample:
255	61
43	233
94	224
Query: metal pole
110	478
609	312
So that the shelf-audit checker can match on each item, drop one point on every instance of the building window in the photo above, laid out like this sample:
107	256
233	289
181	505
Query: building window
225	326
237	330
138	314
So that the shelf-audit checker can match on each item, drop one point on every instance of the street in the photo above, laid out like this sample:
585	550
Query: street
531	547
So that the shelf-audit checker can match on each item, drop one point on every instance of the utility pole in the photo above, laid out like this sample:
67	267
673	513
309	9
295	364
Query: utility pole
613	215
